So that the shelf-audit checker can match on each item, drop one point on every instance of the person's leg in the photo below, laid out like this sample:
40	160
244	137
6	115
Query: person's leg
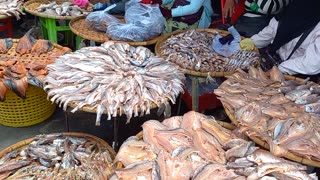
249	26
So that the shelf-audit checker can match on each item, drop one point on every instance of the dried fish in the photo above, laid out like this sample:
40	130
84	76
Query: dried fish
192	50
119	78
213	153
62	9
284	113
11	8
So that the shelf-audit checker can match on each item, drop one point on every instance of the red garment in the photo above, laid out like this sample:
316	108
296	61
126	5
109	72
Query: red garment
146	1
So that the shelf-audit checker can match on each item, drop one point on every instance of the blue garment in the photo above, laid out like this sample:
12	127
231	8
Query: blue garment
192	8
227	49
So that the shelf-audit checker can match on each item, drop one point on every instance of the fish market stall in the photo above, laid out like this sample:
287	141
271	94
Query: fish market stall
114	79
58	156
196	146
281	113
49	12
22	68
192	51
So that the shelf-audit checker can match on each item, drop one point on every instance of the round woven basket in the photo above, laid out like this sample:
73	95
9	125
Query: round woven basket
16	112
75	134
32	5
289	155
78	26
212	32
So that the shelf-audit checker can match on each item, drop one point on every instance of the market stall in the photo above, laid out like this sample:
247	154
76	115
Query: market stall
192	51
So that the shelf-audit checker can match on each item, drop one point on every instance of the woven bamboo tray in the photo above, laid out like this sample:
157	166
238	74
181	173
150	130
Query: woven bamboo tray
75	134
289	155
32	5
78	26
31	57
212	32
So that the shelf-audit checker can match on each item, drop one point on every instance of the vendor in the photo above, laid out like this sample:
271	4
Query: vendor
256	16
185	14
294	35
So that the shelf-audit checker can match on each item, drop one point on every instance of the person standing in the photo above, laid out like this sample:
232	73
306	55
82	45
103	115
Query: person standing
292	39
256	16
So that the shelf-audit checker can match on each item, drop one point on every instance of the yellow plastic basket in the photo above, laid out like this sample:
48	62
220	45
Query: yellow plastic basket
16	112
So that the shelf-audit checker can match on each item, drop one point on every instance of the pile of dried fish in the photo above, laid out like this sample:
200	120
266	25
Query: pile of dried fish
11	7
56	156
192	50
16	72
195	146
284	113
64	9
114	78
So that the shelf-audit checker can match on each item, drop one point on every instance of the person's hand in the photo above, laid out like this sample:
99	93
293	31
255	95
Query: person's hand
247	44
229	8
165	12
81	3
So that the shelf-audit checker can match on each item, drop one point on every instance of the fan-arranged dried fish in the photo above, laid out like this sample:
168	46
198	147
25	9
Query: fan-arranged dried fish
192	50
287	118
63	9
114	78
56	156
11	7
203	149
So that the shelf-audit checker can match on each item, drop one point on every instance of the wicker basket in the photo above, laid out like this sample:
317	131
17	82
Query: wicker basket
188	71
289	155
78	26
16	112
75	134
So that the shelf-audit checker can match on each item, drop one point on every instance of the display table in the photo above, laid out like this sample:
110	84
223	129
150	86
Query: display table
78	26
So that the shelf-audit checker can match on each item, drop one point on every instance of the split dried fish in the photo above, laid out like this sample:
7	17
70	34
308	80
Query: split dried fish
192	50
17	72
114	78
286	118
213	152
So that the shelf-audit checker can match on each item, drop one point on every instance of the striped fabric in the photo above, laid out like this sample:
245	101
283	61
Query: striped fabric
265	7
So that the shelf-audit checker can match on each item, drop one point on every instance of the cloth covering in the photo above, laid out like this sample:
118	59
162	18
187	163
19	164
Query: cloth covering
230	48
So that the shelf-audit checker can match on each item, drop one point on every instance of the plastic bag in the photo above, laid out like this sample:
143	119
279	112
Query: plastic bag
143	22
100	20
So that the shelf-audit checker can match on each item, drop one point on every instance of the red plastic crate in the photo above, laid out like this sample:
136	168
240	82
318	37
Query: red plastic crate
206	101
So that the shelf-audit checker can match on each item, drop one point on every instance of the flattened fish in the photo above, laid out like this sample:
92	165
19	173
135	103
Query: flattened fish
25	43
276	74
18	86
42	46
5	45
